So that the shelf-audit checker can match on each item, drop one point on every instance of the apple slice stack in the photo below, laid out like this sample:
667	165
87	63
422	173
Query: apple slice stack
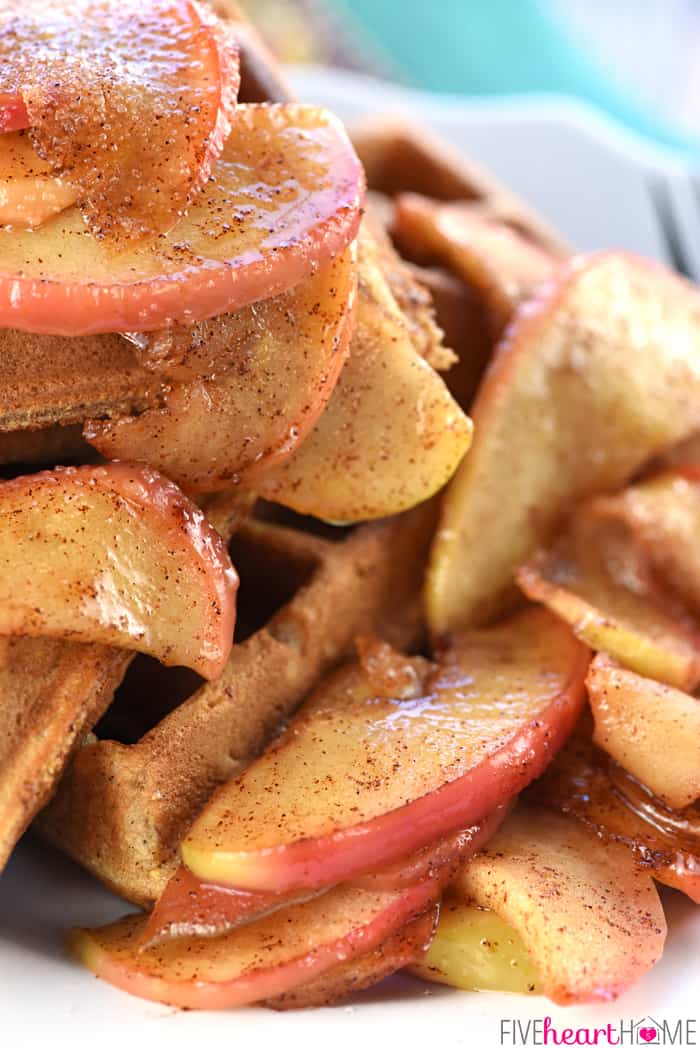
390	756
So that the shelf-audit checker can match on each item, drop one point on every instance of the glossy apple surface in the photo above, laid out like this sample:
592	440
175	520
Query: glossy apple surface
130	101
474	949
361	779
596	578
651	729
591	921
595	376
269	370
391	436
258	961
291	190
115	554
584	782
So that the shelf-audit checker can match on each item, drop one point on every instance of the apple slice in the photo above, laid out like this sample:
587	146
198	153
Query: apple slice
591	921
474	949
29	193
115	554
597	579
360	779
255	962
399	950
271	367
290	189
502	265
391	436
129	101
583	782
632	714
435	859
190	907
663	515
596	376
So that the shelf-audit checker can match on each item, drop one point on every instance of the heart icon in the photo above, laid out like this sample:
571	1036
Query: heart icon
647	1033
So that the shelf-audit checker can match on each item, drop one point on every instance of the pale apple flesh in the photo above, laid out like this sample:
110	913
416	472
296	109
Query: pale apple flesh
498	262
29	193
474	949
651	729
583	782
255	962
268	371
576	400
292	187
391	436
599	581
115	554
591	921
359	780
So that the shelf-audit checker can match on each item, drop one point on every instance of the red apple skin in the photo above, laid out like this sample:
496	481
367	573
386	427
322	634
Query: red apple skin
113	953
190	907
435	859
13	113
308	863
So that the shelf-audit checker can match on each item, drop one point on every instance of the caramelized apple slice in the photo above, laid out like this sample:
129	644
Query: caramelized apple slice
283	199
632	714
596	578
474	949
598	375
391	435
29	193
129	101
591	921
398	950
273	367
259	961
190	907
361	779
585	783
435	859
663	515
115	554
499	263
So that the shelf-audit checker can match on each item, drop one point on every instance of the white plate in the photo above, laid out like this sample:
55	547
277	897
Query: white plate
592	184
